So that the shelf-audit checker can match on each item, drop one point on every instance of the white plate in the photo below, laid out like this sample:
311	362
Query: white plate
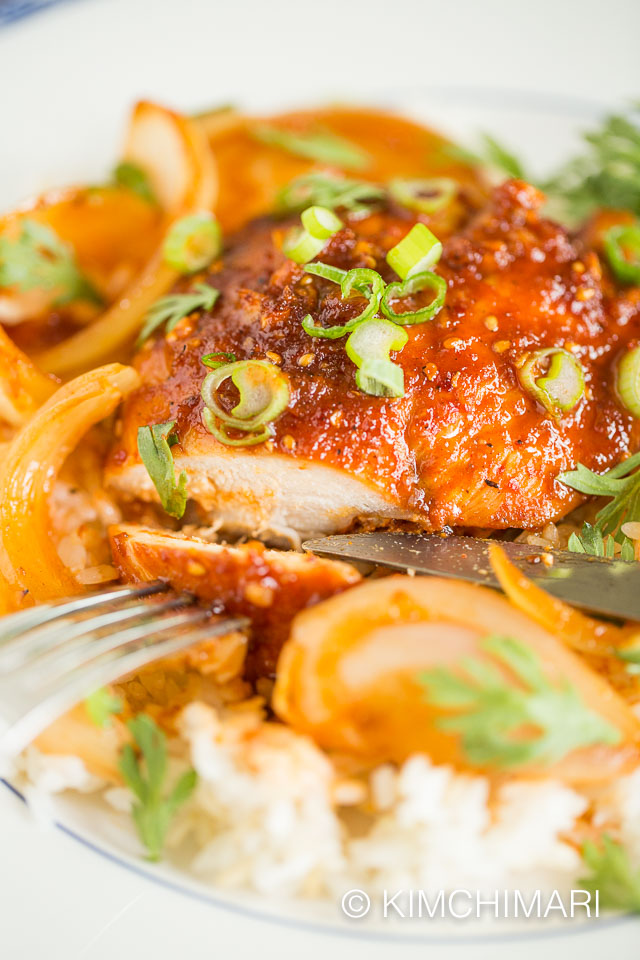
68	129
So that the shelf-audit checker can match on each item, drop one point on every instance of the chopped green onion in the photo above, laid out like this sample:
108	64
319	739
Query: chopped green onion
134	178
320	222
415	284
329	190
326	271
154	446
415	253
366	283
300	246
319	145
618	242
368	347
628	381
212	360
562	386
101	705
426	196
193	242
264	394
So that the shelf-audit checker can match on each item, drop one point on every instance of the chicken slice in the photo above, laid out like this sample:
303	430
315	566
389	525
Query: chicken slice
268	586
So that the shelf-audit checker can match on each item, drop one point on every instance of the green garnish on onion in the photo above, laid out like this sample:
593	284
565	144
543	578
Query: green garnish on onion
134	178
329	190
369	347
415	284
37	259
154	446
490	713
322	146
170	310
618	243
561	387
264	395
193	242
319	224
418	251
423	195
628	380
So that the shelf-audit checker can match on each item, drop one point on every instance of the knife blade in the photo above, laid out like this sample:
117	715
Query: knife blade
607	587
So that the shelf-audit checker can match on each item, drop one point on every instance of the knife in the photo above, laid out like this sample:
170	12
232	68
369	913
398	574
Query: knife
607	587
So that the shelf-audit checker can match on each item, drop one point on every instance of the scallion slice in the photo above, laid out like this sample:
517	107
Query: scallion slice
264	395
628	381
300	246
415	253
426	196
366	283
416	283
618	243
561	387
193	242
320	222
369	347
329	190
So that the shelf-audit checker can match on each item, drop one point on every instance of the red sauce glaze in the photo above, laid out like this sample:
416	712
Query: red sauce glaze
466	445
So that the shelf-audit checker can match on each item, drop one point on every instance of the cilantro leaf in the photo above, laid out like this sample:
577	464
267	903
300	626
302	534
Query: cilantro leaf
154	811
611	874
323	146
172	309
38	260
154	446
100	705
620	483
134	178
490	711
592	541
329	190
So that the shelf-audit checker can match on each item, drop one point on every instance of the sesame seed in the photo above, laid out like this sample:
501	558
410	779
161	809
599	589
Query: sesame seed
288	442
335	418
453	343
491	322
585	293
274	357
578	267
430	371
500	346
306	359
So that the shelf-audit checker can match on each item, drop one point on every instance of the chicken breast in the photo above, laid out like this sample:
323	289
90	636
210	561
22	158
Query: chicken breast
466	446
268	586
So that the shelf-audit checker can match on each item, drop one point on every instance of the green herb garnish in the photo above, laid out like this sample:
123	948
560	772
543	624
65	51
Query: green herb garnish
621	484
492	712
592	541
172	309
38	260
154	446
134	178
607	174
491	153
322	146
154	811
328	190
612	875
101	705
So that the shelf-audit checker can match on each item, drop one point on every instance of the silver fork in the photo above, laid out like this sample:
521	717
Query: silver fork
53	655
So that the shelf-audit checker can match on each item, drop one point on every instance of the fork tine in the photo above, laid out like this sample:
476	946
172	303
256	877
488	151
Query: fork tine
46	673
45	640
17	623
107	667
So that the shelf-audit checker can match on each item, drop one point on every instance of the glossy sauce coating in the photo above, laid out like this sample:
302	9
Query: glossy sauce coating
466	445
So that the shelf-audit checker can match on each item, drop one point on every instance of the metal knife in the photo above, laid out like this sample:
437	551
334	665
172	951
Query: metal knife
607	587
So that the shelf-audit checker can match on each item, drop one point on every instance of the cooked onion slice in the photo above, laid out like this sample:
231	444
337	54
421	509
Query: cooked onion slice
176	156
350	674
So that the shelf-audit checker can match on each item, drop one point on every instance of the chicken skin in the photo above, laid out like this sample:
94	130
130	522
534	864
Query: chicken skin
466	446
